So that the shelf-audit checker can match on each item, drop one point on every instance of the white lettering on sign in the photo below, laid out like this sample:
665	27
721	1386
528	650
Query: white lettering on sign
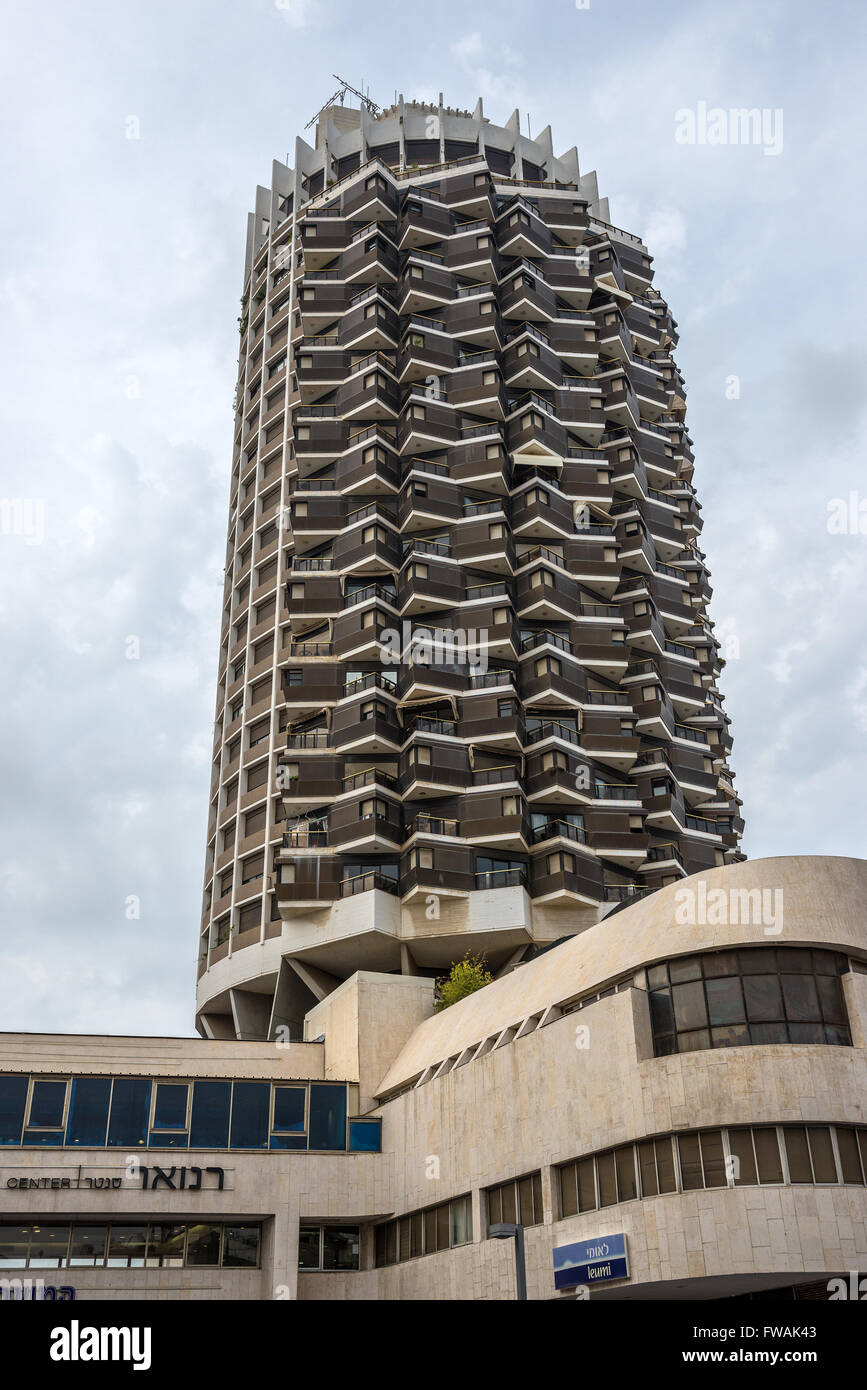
594	1251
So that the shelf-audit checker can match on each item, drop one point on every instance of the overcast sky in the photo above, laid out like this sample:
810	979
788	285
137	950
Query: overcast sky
122	261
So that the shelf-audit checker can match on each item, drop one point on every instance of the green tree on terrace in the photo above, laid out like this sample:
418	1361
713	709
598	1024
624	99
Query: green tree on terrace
465	977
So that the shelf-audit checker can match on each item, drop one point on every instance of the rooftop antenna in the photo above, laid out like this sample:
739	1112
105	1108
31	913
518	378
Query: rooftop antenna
339	95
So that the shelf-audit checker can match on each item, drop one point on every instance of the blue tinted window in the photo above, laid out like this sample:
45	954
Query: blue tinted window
289	1107
88	1111
365	1136
209	1126
165	1139
43	1138
170	1108
288	1141
327	1117
13	1094
46	1104
251	1104
130	1107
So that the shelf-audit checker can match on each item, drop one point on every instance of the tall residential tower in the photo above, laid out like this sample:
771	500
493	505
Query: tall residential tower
467	693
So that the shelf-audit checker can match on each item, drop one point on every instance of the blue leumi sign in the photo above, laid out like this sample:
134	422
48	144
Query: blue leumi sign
590	1262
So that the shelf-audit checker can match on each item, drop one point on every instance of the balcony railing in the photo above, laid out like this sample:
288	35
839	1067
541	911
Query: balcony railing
491	776
501	878
552	728
314	565
317	739
303	838
432	825
615	791
370	591
546	638
491	679
423	725
608	697
372	776
559	827
364	883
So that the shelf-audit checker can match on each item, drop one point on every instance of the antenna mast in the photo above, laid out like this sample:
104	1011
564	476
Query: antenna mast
339	95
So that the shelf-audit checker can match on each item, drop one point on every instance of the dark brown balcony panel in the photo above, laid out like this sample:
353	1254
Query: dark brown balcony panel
311	684
569	278
532	429
359	633
368	546
478	458
472	254
306	881
370	323
322	240
313	595
620	404
584	477
425	285
425	424
439	869
543	683
318	439
521	231
566	217
470	193
573	338
310	778
372	197
474	316
369	259
563	877
484	821
369	724
322	298
525	296
542	590
427	499
432	769
423	222
316	518
599	649
559	778
368	823
370	393
541	512
419	682
484	721
594	561
529	361
369	464
485	544
320	370
428	584
619	846
476	386
637	268
426	349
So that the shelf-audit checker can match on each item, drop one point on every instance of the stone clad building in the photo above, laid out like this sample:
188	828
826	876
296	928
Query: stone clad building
694	1087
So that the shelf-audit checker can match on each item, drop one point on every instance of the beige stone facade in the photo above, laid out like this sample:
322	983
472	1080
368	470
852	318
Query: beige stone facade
513	1081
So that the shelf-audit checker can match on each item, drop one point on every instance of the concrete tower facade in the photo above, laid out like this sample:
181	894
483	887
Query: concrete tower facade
467	693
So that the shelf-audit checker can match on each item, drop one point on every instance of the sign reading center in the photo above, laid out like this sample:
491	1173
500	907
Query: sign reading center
591	1262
